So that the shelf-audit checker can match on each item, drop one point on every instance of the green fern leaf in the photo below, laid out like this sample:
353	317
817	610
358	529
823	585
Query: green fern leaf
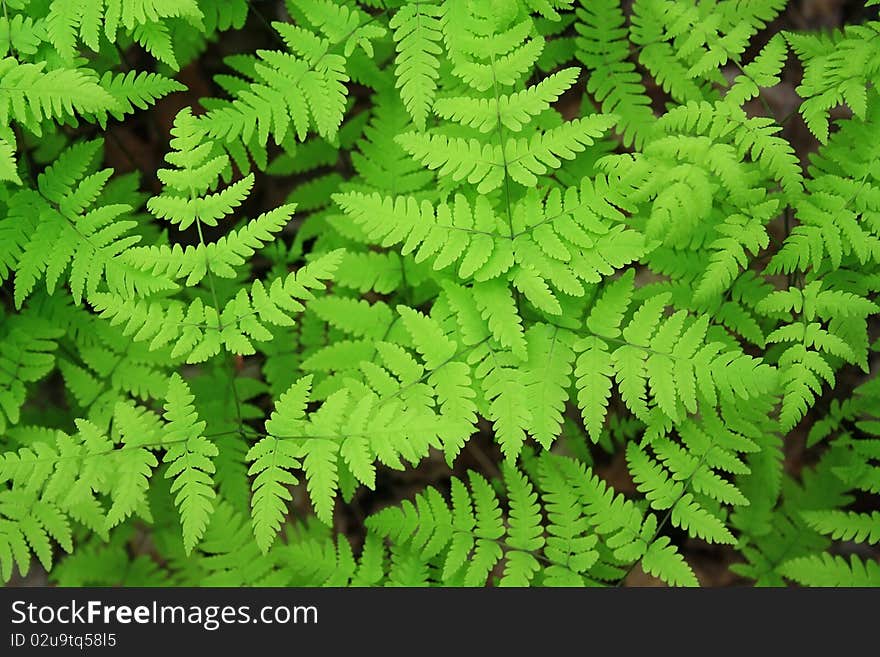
417	34
190	462
272	460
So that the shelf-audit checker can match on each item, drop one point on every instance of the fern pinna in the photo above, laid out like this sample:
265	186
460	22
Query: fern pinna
438	292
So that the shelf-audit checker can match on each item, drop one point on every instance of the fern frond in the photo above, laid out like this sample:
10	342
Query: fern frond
272	460
846	526
827	570
30	94
190	457
513	111
26	355
614	81
754	137
81	235
671	356
523	159
417	33
546	247
548	376
132	91
589	530
29	525
198	331
288	91
221	258
837	68
8	166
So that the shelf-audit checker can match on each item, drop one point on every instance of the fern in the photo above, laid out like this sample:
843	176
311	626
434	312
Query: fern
838	68
69	20
437	293
90	237
199	332
417	30
31	94
832	571
189	457
521	159
604	49
469	537
296	90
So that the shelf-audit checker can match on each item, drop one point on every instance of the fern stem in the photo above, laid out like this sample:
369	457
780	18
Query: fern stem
666	517
499	127
764	103
265	21
217	309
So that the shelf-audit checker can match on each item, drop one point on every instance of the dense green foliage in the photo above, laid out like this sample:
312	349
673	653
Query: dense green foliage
493	230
